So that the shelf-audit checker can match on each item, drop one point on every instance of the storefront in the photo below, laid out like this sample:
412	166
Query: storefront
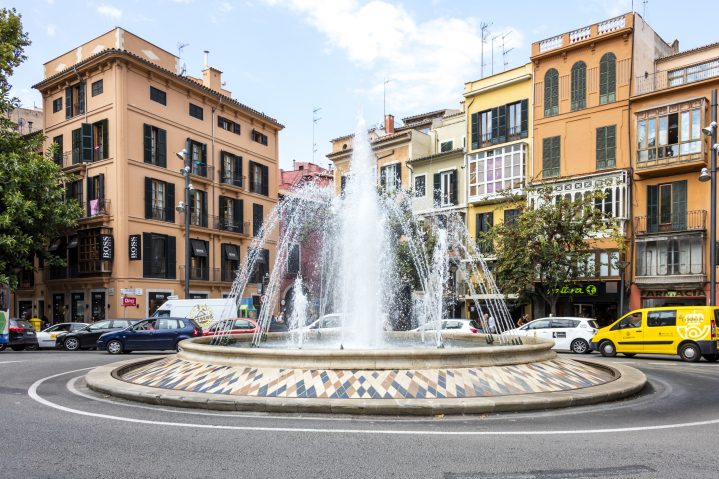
77	307
673	297
97	305
155	299
599	300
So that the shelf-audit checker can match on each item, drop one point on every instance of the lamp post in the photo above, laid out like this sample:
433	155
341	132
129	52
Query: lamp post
705	175
185	208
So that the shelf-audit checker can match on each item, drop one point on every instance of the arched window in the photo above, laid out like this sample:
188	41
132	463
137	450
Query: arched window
607	78
551	93
579	86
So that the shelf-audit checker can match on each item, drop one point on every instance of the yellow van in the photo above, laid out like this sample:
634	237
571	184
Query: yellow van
689	331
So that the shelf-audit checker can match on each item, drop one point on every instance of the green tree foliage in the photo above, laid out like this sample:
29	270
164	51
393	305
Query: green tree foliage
32	199
547	246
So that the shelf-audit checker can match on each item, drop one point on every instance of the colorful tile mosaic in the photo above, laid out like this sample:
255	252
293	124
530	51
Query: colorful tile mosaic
547	376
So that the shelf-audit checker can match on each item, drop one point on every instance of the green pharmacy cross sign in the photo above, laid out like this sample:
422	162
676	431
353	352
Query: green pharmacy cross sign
589	289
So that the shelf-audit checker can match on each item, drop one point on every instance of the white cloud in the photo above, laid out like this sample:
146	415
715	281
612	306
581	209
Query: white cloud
50	30
225	7
109	11
428	61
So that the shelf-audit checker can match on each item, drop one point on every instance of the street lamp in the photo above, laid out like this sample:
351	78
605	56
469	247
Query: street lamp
711	131
185	208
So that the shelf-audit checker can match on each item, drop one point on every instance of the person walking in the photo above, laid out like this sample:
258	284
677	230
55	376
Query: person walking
524	319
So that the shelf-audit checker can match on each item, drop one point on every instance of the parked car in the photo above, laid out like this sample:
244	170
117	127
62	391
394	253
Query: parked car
87	337
232	326
47	338
328	321
451	325
568	333
154	334
21	335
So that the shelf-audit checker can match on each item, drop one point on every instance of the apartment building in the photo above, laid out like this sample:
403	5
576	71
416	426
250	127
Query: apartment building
583	80
670	106
119	109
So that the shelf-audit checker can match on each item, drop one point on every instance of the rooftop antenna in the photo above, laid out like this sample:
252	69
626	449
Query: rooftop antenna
504	52
644	8
384	97
493	39
180	47
315	119
483	27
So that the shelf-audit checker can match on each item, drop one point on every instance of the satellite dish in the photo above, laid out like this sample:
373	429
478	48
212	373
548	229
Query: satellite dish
21	122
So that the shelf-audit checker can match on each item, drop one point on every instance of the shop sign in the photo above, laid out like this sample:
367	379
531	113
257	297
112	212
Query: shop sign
135	247
689	293
590	289
106	247
129	301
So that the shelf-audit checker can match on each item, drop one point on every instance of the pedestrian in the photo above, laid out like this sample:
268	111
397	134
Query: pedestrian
524	319
492	325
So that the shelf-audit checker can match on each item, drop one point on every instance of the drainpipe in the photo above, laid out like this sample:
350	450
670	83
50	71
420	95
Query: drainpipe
630	184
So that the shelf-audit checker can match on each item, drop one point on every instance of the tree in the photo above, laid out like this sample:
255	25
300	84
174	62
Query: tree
33	209
548	244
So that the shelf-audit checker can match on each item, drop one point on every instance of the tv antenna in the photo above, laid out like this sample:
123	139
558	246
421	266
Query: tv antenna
315	119
505	51
180	47
483	27
384	98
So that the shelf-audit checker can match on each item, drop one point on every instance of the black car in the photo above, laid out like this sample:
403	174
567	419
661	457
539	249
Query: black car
21	335
87	337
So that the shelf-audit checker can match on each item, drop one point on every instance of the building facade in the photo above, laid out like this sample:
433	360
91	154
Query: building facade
118	109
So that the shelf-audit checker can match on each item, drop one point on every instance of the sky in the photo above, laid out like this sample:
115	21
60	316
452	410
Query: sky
347	58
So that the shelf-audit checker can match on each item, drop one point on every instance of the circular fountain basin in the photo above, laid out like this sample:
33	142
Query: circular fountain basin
467	375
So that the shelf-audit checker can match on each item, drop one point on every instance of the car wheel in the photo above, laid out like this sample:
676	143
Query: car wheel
72	344
690	353
32	347
177	347
711	358
579	346
17	348
629	355
2	347
608	349
114	347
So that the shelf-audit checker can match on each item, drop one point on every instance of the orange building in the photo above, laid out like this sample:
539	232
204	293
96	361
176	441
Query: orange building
119	108
582	119
670	106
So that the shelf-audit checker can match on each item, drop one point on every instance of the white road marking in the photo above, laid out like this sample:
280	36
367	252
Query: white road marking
32	392
8	362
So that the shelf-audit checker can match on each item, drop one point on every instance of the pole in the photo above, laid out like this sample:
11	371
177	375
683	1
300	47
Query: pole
712	245
188	162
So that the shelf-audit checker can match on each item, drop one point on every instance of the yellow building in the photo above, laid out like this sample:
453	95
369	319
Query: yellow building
119	108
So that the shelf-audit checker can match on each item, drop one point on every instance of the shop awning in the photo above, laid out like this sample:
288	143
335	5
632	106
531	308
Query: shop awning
231	252
247	307
199	248
55	245
73	242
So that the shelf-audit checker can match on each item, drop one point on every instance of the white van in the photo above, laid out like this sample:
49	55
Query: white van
203	311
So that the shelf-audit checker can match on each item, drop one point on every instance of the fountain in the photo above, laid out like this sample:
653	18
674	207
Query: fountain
373	253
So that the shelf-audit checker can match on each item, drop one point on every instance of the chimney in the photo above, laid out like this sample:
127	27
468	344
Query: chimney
389	124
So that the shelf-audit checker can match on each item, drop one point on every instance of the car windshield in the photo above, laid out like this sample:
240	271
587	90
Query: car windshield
100	325
57	327
23	323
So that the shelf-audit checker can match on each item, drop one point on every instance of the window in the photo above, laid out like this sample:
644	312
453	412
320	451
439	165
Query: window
230	169
96	88
158	256
550	156
74	192
228	125
693	73
230	261
259	179
293	259
485	126
262	266
670	256
231	214
199	260
343	184
95	195
510	216
198	208
483	224
611	204
75	100
260	138
420	186
500	124
445	188
90	142
100	144
159	200
514	119
257	218
657	319
493	171
57	155
158	95
608	262
57	105
391	177
667	207
196	111
155	145
579	86
606	147
198	158
551	92
445	146
607	78
668	134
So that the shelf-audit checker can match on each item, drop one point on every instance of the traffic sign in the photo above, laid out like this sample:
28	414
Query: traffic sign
129	301
131	291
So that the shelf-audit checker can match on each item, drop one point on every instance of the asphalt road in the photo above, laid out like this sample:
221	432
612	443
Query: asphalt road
52	426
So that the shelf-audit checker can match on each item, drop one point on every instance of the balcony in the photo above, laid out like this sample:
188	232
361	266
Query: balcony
671	260
585	34
662	80
201	172
224	224
26	280
215	275
96	207
693	221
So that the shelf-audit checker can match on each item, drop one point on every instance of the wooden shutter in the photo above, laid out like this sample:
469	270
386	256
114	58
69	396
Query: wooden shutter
611	146
652	208
76	145
147	255
383	177
252	176
148	198
237	179
147	142
475	130
495	125
398	177
477	226
204	154
81	98
679	205
161	149
257	213
203	217
90	192
223	173
68	103
101	186
105	139
601	148
525	118
265	180
86	132
502	124
237	214
240	218
171	258
343	184
170	202
453	187
437	188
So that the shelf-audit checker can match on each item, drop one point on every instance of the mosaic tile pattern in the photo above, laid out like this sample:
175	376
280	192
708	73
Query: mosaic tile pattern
548	376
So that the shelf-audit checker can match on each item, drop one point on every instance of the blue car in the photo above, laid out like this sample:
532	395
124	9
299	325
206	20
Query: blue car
154	334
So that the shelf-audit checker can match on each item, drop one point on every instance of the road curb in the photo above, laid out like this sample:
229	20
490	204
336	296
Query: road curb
106	380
